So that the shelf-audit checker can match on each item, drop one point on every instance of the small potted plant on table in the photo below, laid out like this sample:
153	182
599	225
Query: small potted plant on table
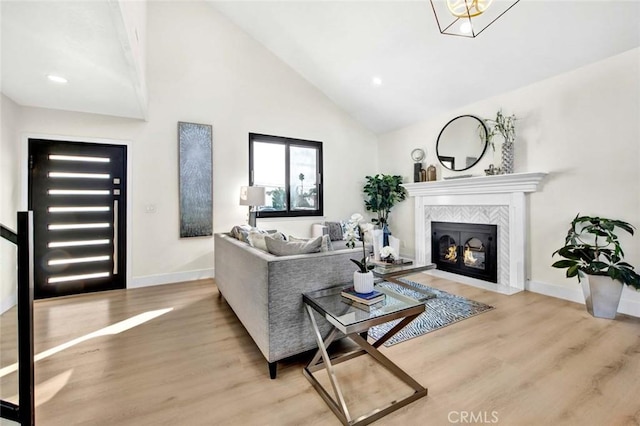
362	277
592	252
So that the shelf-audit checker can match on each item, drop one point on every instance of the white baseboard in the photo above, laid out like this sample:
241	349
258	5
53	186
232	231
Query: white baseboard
175	277
627	305
146	281
8	302
573	294
498	288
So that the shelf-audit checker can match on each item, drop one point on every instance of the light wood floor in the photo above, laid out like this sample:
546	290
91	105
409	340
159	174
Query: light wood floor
533	360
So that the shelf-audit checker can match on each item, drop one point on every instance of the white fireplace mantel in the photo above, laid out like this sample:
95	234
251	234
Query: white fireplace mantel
516	182
498	200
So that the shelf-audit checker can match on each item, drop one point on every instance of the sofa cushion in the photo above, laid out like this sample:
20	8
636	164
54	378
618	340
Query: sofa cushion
335	230
325	246
345	226
257	238
241	232
287	248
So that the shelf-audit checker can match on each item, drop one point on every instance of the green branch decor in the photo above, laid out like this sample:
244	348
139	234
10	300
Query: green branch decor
502	125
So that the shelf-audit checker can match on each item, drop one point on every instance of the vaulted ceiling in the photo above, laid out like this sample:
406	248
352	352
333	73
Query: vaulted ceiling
82	41
338	46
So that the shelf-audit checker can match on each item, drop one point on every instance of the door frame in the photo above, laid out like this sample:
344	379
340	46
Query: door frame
24	179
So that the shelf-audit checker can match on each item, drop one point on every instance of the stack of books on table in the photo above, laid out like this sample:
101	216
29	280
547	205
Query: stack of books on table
365	301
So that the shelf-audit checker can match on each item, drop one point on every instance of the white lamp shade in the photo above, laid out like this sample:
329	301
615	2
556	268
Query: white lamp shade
252	196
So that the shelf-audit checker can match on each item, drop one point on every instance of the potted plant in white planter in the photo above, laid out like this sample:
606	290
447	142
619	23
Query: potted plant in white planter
592	252
362	277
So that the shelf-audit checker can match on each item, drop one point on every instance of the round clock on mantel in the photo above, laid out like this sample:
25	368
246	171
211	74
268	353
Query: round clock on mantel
417	155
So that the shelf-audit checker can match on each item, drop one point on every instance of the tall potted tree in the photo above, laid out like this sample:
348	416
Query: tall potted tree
592	252
383	192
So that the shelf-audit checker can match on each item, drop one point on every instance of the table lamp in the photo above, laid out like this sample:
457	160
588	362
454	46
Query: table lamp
252	196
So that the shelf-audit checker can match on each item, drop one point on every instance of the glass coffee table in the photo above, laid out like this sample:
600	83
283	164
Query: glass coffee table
392	273
352	322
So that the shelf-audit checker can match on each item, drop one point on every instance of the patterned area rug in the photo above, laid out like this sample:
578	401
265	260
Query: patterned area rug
440	311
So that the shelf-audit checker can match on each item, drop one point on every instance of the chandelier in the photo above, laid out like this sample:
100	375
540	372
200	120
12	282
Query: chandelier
468	18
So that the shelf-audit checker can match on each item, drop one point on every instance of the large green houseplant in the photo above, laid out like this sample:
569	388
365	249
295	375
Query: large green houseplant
592	250
383	192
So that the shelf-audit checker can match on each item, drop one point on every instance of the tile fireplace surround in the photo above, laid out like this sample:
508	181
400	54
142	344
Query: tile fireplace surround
495	200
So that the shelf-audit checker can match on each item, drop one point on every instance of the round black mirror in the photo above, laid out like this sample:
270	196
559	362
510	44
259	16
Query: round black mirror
462	143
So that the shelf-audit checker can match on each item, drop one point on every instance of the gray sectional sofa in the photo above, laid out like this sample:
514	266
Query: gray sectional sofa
265	292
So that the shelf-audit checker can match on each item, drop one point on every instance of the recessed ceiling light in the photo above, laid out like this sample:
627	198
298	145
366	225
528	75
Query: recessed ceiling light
57	79
465	27
376	81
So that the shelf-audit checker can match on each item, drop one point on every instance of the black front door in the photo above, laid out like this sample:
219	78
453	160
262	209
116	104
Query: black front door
77	192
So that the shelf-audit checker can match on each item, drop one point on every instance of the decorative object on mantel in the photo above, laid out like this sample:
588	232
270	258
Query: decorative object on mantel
505	126
468	18
383	192
431	173
196	179
592	248
462	142
493	170
363	277
417	155
417	168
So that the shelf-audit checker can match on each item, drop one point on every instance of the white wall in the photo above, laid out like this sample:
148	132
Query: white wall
583	128
134	41
208	71
9	200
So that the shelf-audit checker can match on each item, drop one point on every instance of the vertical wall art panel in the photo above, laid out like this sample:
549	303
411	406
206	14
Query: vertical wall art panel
196	180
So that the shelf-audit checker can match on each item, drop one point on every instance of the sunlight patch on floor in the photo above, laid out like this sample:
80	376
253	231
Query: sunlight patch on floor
46	390
116	328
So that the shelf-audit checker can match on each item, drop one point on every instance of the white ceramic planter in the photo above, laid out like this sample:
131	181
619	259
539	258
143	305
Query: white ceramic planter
363	283
601	295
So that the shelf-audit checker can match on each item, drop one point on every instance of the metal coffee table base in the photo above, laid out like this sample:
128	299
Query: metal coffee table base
322	361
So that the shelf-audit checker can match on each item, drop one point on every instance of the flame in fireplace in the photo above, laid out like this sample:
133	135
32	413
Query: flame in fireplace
469	259
451	254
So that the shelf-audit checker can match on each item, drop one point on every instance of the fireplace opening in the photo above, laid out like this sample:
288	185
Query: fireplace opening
466	249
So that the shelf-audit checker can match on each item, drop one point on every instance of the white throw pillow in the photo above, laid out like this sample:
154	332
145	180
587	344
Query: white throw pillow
256	239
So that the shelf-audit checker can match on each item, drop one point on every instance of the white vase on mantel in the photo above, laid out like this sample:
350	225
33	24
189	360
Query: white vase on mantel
363	282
